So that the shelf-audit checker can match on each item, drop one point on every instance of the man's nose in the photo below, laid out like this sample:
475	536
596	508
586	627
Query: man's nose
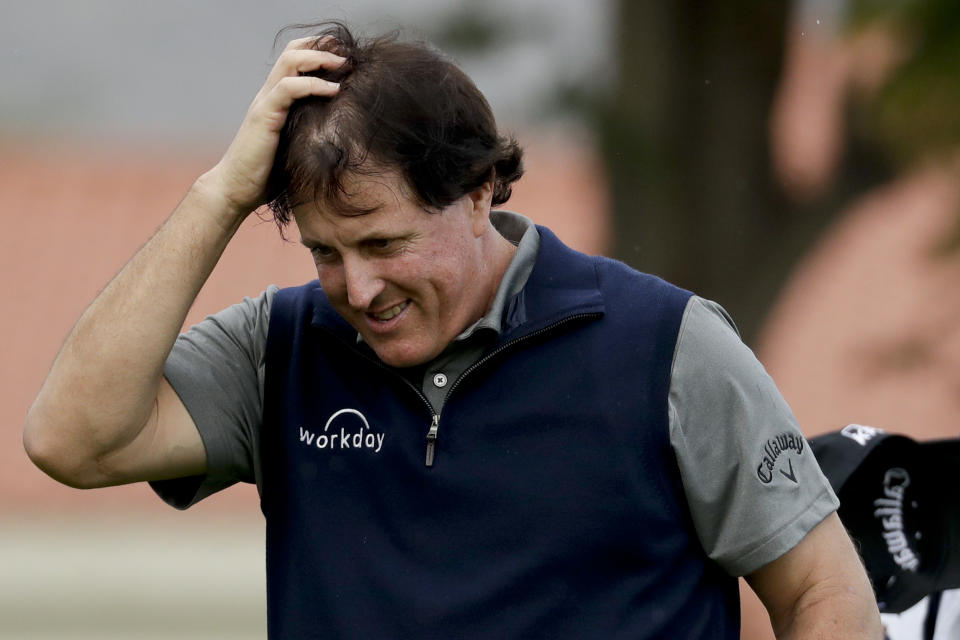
363	282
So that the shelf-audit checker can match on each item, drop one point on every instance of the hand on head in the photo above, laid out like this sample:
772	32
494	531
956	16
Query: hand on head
241	175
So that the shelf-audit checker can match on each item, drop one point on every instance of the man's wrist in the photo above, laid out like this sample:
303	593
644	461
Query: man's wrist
207	192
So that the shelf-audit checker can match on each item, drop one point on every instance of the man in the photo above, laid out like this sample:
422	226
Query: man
463	428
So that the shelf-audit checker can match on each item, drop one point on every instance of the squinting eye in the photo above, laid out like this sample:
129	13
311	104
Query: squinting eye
382	244
323	253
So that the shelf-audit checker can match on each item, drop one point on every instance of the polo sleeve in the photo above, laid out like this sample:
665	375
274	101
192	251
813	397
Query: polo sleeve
217	369
753	486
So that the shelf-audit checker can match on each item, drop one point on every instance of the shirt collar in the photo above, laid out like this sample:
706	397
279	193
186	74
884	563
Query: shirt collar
520	231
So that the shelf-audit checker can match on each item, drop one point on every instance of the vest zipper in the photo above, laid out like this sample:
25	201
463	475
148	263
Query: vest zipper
432	439
435	416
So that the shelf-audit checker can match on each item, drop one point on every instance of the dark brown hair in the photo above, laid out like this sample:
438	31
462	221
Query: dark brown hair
401	106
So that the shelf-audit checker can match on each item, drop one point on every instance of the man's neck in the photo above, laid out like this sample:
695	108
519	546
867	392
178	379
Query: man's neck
500	253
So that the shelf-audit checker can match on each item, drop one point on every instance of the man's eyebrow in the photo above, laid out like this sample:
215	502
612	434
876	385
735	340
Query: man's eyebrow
309	244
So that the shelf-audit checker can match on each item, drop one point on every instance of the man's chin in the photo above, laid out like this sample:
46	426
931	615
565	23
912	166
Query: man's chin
400	356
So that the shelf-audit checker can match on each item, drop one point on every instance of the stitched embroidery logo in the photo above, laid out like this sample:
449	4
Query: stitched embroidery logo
354	433
772	450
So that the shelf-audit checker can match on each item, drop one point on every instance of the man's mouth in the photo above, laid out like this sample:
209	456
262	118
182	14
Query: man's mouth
392	312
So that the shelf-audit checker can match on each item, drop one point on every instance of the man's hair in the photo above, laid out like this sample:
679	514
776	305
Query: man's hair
401	107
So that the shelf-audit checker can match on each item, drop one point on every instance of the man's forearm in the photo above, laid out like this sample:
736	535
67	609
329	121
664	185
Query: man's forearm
819	589
103	384
840	611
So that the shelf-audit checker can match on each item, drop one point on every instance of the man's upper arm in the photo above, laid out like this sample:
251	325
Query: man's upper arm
752	484
168	446
202	435
819	587
217	370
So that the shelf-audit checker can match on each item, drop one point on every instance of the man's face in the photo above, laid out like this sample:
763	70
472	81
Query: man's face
407	280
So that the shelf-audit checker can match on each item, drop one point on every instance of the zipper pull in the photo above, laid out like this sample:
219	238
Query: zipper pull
432	439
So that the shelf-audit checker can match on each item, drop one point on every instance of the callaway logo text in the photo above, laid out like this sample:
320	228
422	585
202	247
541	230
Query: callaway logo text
772	450
890	513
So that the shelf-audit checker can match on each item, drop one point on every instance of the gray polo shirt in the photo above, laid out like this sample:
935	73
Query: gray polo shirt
727	418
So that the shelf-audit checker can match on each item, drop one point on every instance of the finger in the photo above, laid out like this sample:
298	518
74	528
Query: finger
301	43
293	88
296	61
309	42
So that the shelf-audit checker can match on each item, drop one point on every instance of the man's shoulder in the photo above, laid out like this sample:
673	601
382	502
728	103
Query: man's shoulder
629	300
297	307
298	290
617	273
306	296
609	273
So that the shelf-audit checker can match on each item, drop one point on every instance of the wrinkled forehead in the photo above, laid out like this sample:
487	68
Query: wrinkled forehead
370	190
379	209
365	189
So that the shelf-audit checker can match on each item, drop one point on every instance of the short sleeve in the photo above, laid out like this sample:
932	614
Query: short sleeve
217	369
752	484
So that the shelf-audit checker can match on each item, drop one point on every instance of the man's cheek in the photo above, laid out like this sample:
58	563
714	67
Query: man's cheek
331	280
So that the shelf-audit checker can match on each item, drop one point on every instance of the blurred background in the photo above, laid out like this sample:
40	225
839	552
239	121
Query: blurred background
797	162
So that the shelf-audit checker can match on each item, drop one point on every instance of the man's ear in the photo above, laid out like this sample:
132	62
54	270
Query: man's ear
480	203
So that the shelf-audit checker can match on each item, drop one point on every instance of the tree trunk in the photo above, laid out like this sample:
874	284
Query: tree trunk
685	141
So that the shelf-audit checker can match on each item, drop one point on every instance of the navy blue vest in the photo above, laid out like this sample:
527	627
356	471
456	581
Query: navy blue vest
553	509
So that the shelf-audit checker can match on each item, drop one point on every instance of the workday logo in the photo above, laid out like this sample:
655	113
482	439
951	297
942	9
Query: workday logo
345	429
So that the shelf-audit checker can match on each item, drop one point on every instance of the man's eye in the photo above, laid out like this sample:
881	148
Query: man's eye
382	244
323	253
